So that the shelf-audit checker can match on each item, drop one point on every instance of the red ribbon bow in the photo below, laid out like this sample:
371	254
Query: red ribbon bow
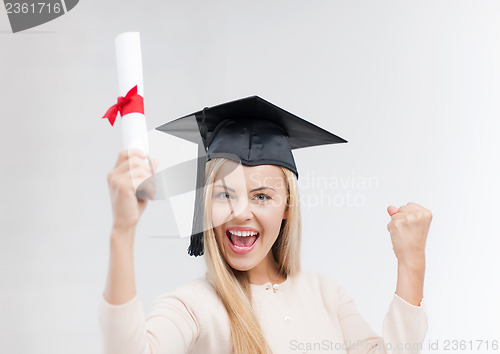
131	103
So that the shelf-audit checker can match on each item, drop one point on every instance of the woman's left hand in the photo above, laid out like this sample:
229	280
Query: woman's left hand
408	227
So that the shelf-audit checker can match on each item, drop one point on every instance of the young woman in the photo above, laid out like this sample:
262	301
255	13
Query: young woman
254	297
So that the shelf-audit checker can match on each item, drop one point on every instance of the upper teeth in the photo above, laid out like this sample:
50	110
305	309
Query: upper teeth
243	233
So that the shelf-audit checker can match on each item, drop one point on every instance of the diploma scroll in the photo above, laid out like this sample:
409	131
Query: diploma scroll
129	67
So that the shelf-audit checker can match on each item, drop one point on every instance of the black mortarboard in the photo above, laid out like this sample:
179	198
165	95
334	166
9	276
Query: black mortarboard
250	131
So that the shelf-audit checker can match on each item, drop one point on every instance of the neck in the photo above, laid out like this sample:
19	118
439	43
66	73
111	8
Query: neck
265	271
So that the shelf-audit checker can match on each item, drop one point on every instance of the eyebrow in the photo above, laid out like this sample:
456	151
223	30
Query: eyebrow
253	190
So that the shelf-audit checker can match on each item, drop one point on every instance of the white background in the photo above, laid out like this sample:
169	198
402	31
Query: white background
413	86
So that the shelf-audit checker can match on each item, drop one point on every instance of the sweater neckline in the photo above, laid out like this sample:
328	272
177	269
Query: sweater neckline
269	285
266	286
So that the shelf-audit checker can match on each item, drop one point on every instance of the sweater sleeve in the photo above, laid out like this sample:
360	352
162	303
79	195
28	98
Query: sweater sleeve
170	326
404	327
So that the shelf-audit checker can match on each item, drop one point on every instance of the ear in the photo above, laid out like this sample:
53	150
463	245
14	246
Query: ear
285	213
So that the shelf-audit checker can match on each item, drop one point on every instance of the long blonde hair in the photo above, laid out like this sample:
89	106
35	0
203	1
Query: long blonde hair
232	286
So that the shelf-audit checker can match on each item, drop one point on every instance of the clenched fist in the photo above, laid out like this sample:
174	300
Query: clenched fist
409	226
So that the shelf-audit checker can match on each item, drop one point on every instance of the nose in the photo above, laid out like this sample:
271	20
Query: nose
242	210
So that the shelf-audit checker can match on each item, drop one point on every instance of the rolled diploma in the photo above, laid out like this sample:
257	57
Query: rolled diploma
129	65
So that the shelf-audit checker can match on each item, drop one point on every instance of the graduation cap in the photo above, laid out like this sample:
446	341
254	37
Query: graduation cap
250	131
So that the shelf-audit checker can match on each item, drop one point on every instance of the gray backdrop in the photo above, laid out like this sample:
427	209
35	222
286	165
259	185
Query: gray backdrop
413	86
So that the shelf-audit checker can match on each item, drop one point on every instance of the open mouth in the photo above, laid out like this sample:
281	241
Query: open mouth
242	239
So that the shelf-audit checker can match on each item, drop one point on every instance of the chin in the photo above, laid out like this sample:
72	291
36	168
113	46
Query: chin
241	265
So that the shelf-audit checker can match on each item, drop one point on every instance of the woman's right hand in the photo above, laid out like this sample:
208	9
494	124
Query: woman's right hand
130	171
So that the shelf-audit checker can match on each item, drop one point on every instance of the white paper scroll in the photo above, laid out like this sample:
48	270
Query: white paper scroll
129	65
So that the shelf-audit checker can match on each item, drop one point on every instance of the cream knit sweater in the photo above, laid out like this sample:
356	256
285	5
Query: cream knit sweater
308	313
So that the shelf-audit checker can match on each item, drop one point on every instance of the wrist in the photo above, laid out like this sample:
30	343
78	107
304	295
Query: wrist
415	263
410	282
412	273
120	232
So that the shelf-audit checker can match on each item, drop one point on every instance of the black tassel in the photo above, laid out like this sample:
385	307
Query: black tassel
196	246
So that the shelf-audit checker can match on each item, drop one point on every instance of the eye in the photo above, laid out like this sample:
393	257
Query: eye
222	195
262	197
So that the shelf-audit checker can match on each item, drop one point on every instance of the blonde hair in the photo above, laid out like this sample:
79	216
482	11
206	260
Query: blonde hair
232	286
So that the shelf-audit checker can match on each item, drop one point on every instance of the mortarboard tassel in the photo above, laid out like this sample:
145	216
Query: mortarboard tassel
196	246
